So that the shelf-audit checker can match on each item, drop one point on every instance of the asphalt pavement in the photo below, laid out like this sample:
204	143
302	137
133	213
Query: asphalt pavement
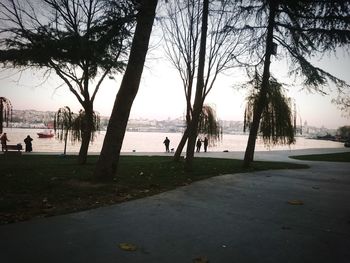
270	216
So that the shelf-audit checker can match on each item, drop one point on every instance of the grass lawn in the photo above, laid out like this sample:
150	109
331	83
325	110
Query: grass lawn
332	157
46	185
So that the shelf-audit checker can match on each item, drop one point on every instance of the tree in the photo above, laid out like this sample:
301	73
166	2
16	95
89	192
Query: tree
276	124
182	32
107	163
301	29
343	102
81	41
5	112
198	99
63	124
67	124
344	132
209	126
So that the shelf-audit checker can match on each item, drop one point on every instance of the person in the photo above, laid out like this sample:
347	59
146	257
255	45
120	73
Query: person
28	142
4	141
205	144
199	144
167	143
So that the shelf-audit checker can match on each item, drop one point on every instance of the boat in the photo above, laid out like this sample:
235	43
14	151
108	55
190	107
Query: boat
347	144
46	134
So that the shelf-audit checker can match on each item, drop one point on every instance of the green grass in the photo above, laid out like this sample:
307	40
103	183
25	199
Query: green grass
45	185
332	157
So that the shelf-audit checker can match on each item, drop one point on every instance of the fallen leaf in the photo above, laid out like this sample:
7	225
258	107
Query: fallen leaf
200	260
295	202
127	246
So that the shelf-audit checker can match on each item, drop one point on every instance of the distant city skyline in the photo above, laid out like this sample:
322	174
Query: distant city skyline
161	94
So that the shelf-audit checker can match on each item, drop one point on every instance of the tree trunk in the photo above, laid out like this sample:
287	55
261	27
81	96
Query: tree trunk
198	100
1	115
88	124
181	145
253	133
107	163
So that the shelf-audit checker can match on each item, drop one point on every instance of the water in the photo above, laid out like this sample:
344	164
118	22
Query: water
153	142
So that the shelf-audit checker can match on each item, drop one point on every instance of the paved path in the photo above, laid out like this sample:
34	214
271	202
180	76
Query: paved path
231	218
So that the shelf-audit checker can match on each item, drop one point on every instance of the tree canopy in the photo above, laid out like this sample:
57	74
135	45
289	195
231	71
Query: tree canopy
66	34
300	30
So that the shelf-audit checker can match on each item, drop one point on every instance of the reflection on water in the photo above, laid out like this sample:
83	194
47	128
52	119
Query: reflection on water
153	142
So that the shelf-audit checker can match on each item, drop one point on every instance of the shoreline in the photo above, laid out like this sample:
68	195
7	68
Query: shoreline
268	155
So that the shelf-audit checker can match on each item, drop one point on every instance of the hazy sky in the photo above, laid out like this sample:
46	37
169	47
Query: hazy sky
161	94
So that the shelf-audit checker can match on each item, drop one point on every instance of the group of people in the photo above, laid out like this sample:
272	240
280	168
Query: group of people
198	144
28	142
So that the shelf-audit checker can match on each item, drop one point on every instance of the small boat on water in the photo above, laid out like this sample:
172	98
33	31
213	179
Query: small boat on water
46	134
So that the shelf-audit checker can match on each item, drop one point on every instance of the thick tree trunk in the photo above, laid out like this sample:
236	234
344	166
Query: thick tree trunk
88	124
253	133
107	164
1	115
181	145
198	100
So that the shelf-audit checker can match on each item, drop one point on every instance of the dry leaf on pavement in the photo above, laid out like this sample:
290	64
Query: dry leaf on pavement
295	202
127	246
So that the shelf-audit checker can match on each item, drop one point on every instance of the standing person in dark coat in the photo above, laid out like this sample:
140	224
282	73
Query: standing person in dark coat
205	144
28	142
167	143
199	145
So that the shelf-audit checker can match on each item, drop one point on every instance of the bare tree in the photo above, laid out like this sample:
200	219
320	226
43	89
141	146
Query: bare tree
182	29
107	164
81	41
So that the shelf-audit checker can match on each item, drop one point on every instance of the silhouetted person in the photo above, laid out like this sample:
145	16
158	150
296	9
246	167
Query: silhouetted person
28	142
167	143
4	141
199	145
205	143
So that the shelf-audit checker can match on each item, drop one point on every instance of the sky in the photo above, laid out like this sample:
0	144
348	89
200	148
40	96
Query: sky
161	95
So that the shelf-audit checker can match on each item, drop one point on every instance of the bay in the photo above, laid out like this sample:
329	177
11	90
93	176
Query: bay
153	142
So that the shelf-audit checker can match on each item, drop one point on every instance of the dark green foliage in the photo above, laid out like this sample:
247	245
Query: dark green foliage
276	125
302	29
77	33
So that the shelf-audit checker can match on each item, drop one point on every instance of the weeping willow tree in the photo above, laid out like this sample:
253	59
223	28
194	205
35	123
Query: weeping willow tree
63	124
209	126
276	124
5	112
70	125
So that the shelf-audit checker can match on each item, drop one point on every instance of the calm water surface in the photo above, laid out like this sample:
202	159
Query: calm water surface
153	142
